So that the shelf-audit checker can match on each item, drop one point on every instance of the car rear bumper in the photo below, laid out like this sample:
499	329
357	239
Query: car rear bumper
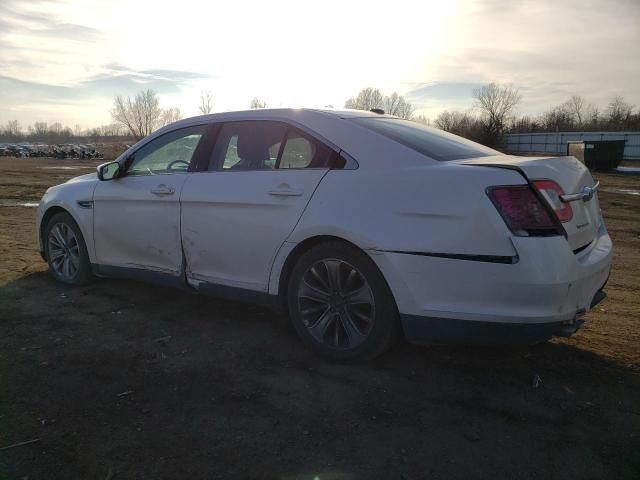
450	300
438	331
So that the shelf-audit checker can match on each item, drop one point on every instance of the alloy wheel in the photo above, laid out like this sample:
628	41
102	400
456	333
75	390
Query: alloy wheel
64	251
336	304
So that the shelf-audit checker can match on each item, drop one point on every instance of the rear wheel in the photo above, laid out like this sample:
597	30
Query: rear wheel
66	251
340	303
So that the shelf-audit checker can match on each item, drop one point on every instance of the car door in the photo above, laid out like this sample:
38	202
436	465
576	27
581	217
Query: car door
237	215
137	215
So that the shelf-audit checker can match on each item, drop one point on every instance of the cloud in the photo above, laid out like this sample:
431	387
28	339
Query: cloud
431	95
81	53
157	74
53	68
118	81
69	31
36	42
22	96
19	17
548	50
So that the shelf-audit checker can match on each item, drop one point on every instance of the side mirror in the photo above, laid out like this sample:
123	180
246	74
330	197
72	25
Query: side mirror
108	171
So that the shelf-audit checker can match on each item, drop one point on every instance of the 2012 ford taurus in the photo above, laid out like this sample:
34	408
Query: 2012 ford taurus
359	225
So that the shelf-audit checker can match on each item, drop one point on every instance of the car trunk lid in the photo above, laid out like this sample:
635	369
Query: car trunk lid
571	175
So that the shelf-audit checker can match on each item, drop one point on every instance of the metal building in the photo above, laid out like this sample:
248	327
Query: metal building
556	142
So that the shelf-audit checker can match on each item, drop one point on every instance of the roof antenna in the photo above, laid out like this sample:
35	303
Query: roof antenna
379	111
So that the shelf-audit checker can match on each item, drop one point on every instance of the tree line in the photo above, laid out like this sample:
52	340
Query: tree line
577	114
133	119
56	132
142	115
492	114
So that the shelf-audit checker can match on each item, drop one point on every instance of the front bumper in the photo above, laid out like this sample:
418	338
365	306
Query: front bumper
444	300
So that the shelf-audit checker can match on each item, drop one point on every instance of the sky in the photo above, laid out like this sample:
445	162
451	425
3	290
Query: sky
66	60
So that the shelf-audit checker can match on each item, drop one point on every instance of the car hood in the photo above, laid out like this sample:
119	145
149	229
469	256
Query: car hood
83	181
89	177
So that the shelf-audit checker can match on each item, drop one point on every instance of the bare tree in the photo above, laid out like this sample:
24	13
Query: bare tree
56	129
558	119
391	103
367	99
106	131
406	110
39	129
370	98
206	102
577	106
454	122
619	113
139	116
113	130
593	117
257	103
169	115
422	119
446	120
496	104
523	124
397	105
13	129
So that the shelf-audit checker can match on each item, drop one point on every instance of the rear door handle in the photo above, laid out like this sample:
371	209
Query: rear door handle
285	193
163	190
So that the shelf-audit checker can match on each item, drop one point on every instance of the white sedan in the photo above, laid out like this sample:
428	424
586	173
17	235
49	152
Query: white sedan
359	225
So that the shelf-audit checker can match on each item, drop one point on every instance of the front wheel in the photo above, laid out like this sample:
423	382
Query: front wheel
66	251
340	304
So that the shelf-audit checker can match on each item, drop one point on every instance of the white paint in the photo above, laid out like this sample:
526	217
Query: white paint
137	228
233	233
232	227
571	175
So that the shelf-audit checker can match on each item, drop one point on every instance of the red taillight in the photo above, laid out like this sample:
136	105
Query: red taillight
551	192
522	210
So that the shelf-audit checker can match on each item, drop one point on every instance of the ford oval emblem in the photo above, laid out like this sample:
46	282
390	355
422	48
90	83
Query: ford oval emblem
587	193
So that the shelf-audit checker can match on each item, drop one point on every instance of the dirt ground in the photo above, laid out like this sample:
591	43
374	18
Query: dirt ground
123	380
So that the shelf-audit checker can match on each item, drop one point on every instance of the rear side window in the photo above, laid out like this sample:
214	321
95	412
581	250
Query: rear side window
267	145
302	151
434	143
252	145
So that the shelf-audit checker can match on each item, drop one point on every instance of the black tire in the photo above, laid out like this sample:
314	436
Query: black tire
374	336
81	275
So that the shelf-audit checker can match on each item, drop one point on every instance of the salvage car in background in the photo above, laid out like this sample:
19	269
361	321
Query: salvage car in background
359	225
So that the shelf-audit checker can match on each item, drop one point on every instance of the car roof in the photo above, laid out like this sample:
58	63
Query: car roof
350	113
274	114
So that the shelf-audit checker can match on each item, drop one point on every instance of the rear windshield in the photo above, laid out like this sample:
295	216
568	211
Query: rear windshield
434	143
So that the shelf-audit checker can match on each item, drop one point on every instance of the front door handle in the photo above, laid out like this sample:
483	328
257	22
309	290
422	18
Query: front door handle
285	193
162	189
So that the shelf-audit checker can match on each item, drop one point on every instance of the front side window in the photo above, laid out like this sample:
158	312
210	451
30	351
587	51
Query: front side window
433	143
266	145
169	153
